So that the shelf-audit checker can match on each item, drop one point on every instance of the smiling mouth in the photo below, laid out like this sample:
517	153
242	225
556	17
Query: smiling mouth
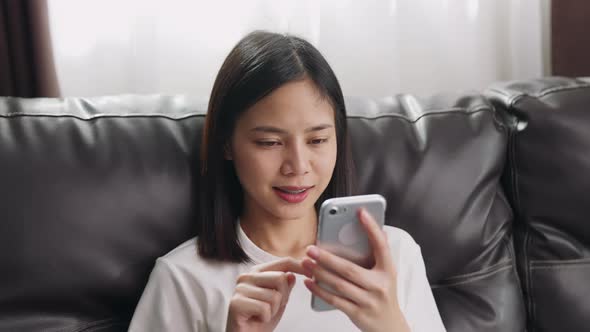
292	195
293	190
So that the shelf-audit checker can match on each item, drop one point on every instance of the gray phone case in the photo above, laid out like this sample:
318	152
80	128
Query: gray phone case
340	232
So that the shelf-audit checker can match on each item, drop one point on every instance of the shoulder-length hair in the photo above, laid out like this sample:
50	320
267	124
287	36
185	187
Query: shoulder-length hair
259	63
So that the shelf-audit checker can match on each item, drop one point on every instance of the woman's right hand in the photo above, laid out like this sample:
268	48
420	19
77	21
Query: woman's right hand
261	296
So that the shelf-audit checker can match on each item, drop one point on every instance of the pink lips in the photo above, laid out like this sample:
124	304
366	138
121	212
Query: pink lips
292	198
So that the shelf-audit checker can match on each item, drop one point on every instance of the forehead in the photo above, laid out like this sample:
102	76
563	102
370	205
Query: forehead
294	104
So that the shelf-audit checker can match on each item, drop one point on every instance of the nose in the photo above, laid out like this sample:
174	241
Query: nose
296	160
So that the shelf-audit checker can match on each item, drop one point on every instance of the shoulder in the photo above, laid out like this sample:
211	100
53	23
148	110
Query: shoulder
413	288
400	240
184	262
184	255
405	252
185	291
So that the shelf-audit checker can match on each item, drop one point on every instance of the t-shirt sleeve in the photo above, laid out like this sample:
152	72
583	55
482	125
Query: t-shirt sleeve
421	311
170	302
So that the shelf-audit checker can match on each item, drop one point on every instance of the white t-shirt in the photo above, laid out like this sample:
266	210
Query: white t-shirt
187	293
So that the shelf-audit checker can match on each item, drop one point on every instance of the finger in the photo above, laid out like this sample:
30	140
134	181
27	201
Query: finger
345	305
377	239
270	296
287	264
278	281
345	268
290	284
251	308
269	279
341	286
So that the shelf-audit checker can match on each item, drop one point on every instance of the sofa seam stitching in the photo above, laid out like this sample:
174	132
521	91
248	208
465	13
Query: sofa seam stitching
533	306
468	275
431	112
505	265
512	100
512	252
100	322
528	286
462	111
99	116
549	91
571	261
560	266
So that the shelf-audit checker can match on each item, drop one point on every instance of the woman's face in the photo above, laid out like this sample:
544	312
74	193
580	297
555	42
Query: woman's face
284	151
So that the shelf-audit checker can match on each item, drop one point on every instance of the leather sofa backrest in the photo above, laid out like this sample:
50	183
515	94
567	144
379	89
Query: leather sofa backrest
94	189
438	161
548	181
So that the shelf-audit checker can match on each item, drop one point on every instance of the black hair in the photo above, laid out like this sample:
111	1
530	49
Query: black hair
260	63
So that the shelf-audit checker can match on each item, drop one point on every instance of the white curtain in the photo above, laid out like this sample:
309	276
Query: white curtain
376	47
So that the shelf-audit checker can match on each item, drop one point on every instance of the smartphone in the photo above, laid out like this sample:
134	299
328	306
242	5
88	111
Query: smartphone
340	233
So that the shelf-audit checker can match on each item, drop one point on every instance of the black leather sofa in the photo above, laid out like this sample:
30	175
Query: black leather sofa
494	185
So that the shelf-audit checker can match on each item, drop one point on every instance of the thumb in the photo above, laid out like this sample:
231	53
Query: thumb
290	280
290	283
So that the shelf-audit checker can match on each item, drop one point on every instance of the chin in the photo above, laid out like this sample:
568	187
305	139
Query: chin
279	209
288	217
296	211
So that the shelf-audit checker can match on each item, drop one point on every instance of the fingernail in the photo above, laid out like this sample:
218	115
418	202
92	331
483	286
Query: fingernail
307	270
290	279
313	252
362	214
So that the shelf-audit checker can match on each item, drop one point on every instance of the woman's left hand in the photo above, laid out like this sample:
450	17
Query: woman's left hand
367	296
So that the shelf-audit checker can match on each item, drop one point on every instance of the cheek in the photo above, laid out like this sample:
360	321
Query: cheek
254	167
326	162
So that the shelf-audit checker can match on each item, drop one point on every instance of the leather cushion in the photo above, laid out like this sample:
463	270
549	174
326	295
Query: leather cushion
547	180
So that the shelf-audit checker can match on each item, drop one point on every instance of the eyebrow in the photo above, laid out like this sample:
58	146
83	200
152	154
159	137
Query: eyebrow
275	130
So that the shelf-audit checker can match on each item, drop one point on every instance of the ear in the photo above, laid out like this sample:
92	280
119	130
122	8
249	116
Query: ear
227	152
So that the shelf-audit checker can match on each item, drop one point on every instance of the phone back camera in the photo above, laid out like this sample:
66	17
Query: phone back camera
333	211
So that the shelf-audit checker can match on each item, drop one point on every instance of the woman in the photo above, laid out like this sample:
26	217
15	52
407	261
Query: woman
274	148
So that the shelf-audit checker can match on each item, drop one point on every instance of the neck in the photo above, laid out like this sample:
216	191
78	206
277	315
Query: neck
280	237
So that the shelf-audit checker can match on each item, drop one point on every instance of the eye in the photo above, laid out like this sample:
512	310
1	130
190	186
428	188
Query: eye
267	143
318	141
